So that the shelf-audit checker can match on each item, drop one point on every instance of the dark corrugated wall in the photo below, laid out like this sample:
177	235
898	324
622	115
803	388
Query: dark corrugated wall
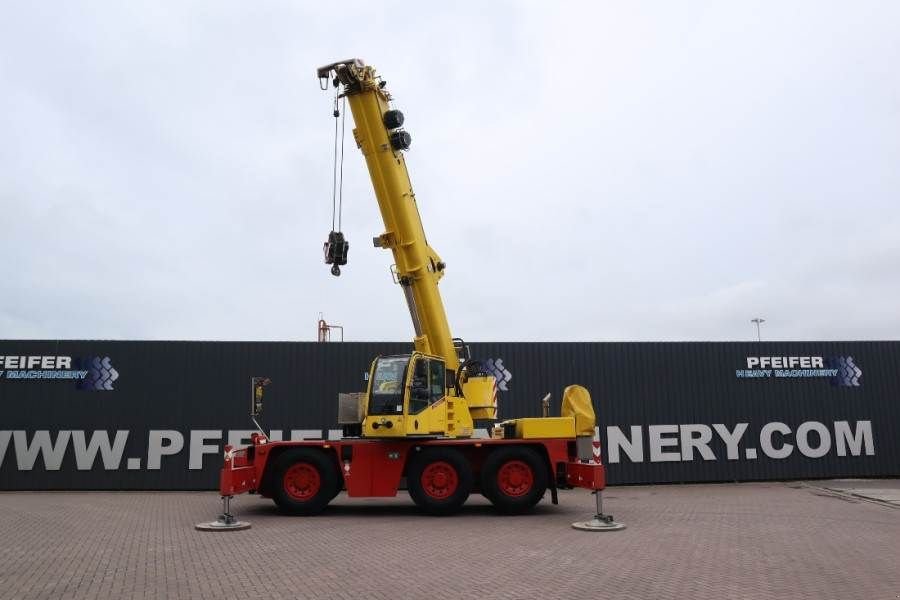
200	388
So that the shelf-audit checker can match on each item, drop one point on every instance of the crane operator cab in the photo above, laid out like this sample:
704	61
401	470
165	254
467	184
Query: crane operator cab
412	395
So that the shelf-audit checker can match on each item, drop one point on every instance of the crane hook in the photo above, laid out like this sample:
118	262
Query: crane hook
336	249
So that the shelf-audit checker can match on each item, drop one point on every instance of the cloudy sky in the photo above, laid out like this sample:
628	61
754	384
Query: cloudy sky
595	171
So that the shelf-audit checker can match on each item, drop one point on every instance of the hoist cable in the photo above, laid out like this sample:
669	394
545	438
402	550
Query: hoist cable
334	164
341	180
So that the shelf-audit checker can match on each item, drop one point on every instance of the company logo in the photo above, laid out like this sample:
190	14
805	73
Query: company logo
848	373
94	373
495	367
100	374
841	371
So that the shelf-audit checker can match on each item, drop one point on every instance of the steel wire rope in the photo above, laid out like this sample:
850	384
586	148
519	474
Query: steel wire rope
334	162
341	177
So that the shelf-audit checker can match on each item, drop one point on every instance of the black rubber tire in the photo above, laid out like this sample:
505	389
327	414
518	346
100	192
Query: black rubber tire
328	487
422	460
393	119
400	140
337	490
493	491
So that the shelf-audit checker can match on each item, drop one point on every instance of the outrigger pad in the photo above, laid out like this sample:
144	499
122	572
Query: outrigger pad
221	525
596	524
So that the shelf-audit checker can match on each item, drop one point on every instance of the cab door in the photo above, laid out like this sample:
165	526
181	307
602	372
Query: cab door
426	409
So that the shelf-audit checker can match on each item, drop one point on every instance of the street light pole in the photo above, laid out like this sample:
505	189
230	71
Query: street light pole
758	321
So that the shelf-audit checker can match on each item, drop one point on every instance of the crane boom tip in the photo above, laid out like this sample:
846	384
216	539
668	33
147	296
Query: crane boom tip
323	71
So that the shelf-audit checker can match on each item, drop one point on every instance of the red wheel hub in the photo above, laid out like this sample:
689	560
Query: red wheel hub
515	478
439	480
302	481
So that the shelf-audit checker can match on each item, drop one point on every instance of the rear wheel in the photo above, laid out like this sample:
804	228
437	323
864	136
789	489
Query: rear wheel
514	479
439	480
304	481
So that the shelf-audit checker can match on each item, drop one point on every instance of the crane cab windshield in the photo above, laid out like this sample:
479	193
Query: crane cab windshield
387	385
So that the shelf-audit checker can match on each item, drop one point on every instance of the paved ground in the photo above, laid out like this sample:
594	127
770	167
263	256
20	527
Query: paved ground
756	540
880	490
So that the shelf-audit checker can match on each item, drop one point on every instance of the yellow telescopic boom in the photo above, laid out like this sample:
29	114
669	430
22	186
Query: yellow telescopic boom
381	138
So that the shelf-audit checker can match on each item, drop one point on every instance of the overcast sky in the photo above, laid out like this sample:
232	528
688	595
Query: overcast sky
595	171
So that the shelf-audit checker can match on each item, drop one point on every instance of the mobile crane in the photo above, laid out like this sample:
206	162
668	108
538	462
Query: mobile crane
416	418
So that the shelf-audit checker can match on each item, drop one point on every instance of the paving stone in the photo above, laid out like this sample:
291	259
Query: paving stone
753	540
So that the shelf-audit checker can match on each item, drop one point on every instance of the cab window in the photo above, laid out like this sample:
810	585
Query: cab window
418	389
436	380
427	386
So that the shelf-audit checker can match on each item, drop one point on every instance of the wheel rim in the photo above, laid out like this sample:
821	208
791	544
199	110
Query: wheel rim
302	481
439	480
515	478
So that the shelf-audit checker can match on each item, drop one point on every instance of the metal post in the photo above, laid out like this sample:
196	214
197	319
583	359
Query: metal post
226	516
600	516
758	321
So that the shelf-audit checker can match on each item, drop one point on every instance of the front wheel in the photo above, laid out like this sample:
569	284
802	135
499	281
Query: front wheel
304	481
439	480
514	479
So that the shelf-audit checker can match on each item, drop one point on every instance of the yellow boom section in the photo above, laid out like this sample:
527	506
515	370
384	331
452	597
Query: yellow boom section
418	267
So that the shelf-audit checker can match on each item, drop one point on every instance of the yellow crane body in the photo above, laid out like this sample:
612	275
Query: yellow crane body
415	422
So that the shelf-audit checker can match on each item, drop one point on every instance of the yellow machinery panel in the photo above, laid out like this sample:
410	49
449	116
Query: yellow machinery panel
548	427
383	426
577	404
481	394
447	418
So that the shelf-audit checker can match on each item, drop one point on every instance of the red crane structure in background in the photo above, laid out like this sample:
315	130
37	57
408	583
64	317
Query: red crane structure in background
325	330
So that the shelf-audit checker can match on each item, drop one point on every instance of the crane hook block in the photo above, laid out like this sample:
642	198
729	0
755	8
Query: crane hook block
336	249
